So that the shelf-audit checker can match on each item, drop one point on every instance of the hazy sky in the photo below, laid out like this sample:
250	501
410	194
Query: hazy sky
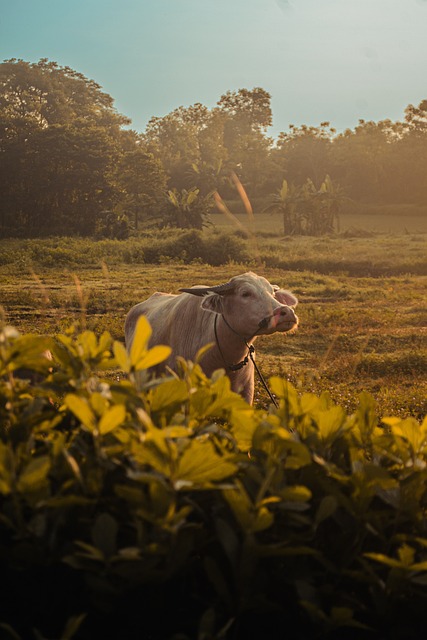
335	60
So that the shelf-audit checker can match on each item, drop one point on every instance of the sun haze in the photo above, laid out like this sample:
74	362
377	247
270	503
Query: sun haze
334	60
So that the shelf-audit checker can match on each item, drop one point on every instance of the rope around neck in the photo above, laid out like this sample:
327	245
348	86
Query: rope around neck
244	362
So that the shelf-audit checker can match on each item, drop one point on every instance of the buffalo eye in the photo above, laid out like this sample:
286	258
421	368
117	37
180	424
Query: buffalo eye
246	294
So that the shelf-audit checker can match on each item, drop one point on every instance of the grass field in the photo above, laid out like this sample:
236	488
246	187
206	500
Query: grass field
395	220
362	310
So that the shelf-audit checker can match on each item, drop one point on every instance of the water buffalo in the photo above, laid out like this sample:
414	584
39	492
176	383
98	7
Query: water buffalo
230	316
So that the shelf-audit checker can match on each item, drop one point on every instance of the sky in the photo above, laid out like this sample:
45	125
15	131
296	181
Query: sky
320	60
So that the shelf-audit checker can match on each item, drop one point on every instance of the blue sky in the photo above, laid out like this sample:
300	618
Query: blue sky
334	60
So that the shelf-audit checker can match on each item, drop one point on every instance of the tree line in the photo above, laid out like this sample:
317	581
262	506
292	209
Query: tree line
71	164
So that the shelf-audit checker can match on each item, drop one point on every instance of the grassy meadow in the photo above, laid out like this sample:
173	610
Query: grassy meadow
362	294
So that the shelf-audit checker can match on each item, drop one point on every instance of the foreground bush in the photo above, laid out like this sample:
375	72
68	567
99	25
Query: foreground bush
178	511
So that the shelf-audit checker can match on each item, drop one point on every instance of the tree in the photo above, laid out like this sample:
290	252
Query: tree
411	149
42	94
248	115
307	210
142	181
60	137
200	146
188	141
247	110
187	209
361	159
305	152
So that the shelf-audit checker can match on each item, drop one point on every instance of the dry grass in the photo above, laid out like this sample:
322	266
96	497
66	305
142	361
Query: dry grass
356	333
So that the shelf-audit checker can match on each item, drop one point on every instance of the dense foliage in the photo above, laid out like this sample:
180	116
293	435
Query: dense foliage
172	508
64	154
69	163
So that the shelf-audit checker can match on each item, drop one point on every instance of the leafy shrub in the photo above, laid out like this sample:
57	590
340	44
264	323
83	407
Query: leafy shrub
112	225
171	508
187	246
221	248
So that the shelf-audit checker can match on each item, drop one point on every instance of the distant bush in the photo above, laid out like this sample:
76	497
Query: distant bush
220	248
179	510
112	225
186	246
355	256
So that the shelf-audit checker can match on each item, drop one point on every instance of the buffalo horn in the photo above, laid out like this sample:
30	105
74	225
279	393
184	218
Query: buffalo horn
221	289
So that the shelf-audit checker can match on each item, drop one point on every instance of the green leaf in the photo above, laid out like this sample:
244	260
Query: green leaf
243	423
327	507
112	418
201	465
298	455
168	393
329	422
104	534
140	340
153	452
91	551
152	357
173	199
121	356
9	632
284	191
410	430
250	517
218	580
72	626
81	410
87	340
241	506
192	196
6	467
34	476
98	402
295	493
383	559
406	555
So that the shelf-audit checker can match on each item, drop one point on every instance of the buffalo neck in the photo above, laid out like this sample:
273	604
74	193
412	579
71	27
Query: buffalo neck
233	348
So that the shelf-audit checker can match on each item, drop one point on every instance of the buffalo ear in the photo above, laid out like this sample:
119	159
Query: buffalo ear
212	302
286	297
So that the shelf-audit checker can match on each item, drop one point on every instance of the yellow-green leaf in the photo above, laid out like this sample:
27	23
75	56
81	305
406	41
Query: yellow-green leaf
411	431
200	464
98	403
112	418
243	424
6	466
34	476
383	559
264	519
406	554
81	410
249	517
152	357
284	190
167	393
330	421
140	340
121	356
295	493
241	506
